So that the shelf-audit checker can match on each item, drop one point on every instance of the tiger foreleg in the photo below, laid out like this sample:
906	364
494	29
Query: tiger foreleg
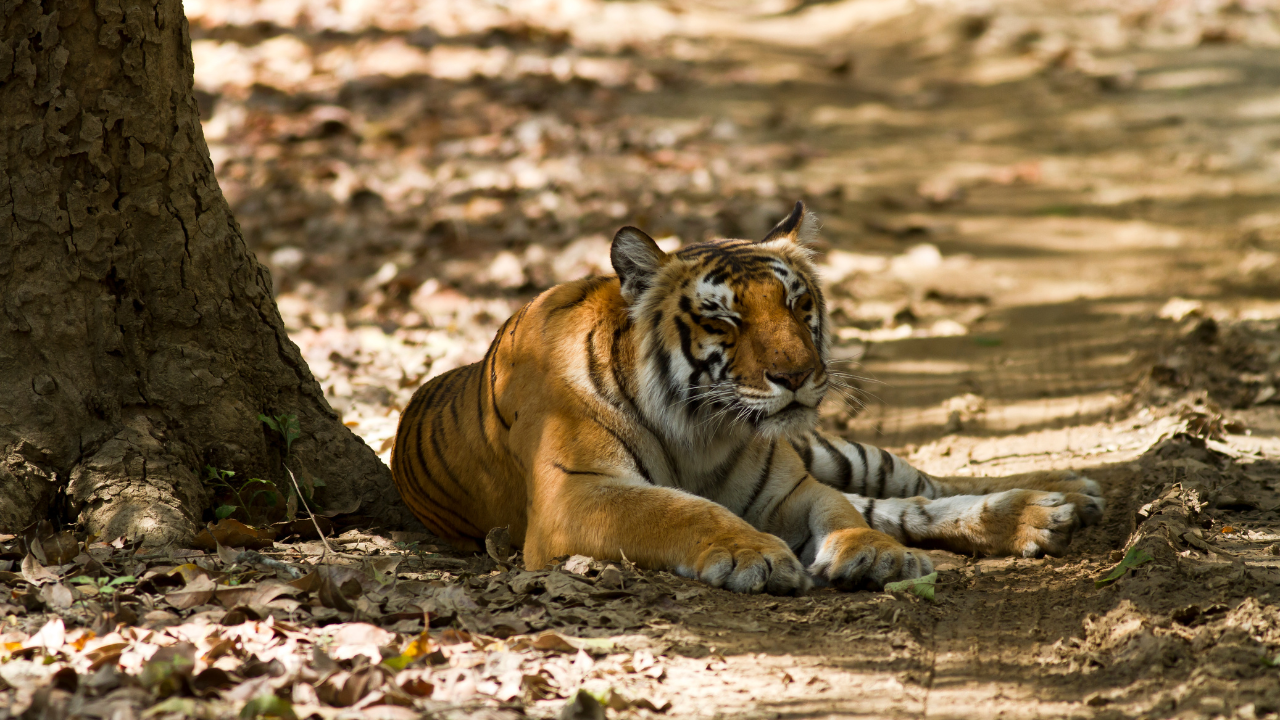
869	471
609	518
831	536
1029	523
1060	481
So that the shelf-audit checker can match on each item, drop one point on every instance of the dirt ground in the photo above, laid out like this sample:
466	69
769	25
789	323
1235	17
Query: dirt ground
1051	239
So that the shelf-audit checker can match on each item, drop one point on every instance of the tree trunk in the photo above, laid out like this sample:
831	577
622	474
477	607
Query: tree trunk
139	339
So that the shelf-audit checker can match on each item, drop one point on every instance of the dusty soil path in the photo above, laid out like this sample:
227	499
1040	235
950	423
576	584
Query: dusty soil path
1052	239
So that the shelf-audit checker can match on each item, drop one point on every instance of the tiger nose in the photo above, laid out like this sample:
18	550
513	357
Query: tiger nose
790	380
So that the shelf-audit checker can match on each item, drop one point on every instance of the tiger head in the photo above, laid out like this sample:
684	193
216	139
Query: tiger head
732	333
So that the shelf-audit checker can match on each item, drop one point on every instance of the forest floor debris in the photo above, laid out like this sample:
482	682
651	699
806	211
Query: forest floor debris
1050	241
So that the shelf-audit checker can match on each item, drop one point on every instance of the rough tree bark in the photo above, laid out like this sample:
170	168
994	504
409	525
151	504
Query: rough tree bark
138	335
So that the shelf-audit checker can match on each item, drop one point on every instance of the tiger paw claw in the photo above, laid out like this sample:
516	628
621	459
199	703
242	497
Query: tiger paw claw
752	565
860	557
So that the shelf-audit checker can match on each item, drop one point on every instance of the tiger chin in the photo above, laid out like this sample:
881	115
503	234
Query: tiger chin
668	414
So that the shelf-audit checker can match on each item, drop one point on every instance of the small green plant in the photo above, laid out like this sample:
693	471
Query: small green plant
104	586
1131	560
289	430
268	705
245	493
286	425
299	491
921	586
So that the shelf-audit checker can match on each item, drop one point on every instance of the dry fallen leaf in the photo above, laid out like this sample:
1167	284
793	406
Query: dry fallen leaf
57	596
352	639
197	591
35	573
50	637
233	534
54	548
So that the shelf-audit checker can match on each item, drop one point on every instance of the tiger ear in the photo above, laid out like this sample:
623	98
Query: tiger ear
636	258
800	227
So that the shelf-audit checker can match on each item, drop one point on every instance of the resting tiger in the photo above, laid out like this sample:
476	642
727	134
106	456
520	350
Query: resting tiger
668	414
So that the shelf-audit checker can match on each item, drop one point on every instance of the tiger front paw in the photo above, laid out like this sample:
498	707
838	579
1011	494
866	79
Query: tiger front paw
861	557
751	563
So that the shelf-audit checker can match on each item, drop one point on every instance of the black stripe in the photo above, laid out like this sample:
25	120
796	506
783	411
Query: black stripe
435	521
635	457
915	485
686	341
721	472
885	461
621	380
567	471
491	358
593	368
778	507
870	512
664	372
438	384
929	484
448	471
426	490
427	474
480	405
589	286
615	365
515	320
902	523
407	419
760	481
822	322
866	469
426	505
844	468
493	394
807	454
423	505
453	409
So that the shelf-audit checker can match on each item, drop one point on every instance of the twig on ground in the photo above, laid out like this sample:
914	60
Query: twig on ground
298	489
253	557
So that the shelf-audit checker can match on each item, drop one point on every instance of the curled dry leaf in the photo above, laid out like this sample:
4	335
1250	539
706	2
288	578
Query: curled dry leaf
331	594
550	640
57	596
582	565
381	570
233	533
610	578
57	548
197	591
498	544
35	573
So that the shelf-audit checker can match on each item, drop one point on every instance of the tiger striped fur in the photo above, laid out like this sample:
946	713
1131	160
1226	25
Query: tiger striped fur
667	414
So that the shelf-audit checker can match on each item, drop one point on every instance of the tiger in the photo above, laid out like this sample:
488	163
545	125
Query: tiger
667	416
